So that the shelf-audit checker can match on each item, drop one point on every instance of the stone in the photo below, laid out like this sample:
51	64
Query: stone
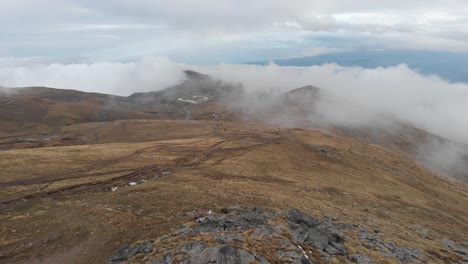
323	236
222	254
166	259
235	209
184	231
327	259
285	243
305	260
424	233
290	256
126	252
217	237
229	238
403	254
332	250
361	259
209	226
262	231
318	237
298	217
253	218
406	255
193	247
458	249
347	226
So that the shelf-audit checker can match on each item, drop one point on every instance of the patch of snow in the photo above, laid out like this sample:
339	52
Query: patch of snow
114	189
132	184
187	101
196	99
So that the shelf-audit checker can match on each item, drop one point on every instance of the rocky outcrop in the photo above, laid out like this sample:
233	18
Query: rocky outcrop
127	252
236	235
403	254
310	231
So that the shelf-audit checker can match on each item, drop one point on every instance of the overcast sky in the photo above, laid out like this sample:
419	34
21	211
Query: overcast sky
212	31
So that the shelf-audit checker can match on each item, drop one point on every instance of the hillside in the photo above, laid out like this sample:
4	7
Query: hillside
35	116
77	189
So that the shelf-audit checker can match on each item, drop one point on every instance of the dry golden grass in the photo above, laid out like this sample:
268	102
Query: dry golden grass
69	214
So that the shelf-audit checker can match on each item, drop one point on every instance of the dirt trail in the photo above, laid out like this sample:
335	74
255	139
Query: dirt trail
195	160
199	157
8	103
76	173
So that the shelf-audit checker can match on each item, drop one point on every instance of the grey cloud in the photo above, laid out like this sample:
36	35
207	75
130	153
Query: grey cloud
120	22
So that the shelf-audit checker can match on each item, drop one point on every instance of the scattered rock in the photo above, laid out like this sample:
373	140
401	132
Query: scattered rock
126	252
424	233
193	247
403	254
229	238
458	249
222	254
220	238
237	235
233	209
360	259
323	236
298	217
347	226
326	151
288	256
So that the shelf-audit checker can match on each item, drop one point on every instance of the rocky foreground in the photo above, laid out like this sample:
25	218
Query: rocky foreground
236	235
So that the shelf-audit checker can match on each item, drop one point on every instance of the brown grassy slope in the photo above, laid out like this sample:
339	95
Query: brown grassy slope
38	135
69	214
38	116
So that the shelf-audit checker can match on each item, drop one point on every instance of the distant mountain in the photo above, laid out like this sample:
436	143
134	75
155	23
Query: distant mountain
448	65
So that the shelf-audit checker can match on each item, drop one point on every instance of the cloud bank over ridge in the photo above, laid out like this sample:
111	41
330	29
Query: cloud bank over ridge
360	96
